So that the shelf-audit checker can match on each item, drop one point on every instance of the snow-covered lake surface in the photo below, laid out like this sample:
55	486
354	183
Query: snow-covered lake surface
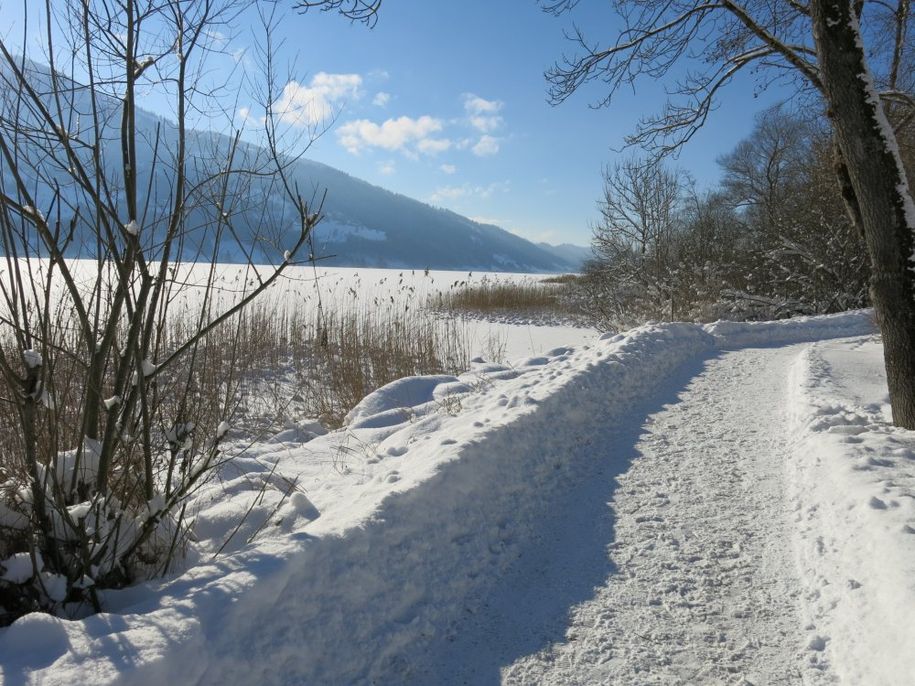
302	288
676	504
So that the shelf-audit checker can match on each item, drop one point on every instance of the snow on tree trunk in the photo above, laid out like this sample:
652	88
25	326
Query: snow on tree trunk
887	214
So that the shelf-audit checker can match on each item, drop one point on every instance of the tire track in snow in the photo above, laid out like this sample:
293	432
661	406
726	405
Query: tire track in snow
701	588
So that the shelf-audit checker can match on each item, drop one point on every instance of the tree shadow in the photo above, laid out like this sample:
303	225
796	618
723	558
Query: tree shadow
528	609
138	640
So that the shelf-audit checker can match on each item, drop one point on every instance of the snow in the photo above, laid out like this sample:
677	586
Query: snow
398	397
415	518
32	358
674	504
132	228
18	568
794	330
83	464
301	289
694	589
34	212
853	502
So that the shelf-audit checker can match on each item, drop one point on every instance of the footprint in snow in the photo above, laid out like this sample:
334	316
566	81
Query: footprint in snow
817	643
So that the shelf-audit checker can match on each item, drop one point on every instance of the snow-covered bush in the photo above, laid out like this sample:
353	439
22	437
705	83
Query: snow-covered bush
772	242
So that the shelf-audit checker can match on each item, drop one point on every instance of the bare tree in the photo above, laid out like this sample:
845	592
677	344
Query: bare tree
805	249
765	172
820	45
108	424
635	238
365	11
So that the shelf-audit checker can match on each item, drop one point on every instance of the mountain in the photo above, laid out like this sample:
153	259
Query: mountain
574	255
363	225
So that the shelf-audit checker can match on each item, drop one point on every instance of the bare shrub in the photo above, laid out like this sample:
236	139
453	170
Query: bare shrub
117	388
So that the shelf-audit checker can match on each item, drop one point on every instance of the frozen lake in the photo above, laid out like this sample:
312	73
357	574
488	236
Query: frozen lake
303	289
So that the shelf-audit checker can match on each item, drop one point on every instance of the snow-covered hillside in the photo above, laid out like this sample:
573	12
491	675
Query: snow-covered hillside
676	504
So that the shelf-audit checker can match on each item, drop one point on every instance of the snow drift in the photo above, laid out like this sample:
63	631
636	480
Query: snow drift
796	330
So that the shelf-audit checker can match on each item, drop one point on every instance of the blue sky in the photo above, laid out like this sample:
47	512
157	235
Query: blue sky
446	102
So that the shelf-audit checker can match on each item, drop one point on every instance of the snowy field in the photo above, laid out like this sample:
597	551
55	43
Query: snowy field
725	504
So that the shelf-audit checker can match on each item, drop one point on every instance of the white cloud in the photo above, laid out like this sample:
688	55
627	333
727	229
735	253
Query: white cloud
387	168
486	146
483	114
218	38
450	193
467	190
486	123
381	99
401	134
448	168
319	101
474	104
433	146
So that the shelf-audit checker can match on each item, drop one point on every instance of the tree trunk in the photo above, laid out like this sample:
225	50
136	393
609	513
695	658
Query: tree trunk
868	146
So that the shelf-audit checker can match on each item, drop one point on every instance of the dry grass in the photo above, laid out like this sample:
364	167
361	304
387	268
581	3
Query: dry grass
341	357
265	365
501	297
319	364
562	279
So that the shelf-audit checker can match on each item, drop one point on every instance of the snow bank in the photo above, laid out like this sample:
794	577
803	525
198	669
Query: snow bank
853	498
797	330
387	565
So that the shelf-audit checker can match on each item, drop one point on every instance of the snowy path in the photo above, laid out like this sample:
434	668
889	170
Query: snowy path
687	576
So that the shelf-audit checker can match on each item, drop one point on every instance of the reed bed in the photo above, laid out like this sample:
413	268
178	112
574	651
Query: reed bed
502	297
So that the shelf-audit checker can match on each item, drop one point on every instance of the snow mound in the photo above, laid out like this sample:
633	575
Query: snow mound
795	330
394	399
853	501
